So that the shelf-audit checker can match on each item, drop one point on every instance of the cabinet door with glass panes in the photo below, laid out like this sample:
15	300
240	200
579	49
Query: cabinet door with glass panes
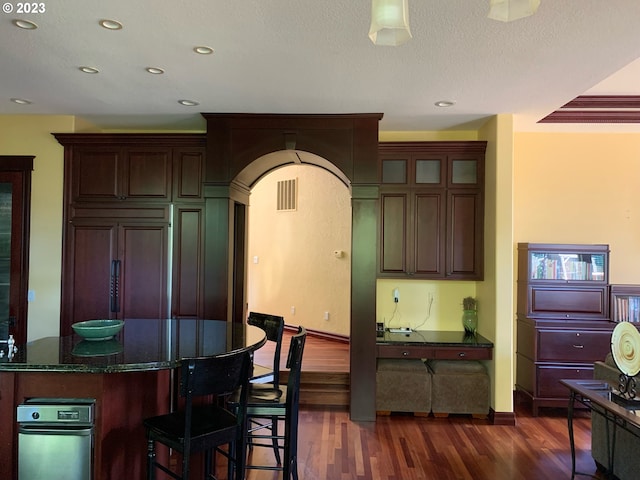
432	209
563	281
625	304
15	200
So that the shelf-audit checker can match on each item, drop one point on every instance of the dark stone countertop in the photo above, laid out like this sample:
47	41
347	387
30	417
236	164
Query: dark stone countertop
142	345
434	338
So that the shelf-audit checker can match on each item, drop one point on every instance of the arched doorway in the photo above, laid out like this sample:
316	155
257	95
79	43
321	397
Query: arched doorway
344	144
299	248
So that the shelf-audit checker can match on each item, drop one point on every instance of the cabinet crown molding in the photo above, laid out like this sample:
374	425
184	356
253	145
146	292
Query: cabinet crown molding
471	147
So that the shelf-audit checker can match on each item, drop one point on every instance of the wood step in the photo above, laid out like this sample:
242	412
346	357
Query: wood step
322	388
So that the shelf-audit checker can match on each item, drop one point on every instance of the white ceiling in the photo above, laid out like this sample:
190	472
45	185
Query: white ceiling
314	56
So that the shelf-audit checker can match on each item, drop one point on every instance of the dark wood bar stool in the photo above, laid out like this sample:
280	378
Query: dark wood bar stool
271	403
206	423
273	326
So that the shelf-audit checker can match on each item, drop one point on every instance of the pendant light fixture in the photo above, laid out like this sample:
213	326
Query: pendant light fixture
509	10
389	22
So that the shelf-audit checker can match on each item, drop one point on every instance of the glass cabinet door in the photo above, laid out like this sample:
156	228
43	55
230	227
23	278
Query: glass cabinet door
15	195
394	171
625	303
5	257
568	266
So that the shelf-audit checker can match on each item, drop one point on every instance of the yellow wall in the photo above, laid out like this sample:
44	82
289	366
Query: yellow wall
424	305
581	188
497	287
427	136
31	135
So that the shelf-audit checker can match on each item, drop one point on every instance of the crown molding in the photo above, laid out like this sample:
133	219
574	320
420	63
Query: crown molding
597	109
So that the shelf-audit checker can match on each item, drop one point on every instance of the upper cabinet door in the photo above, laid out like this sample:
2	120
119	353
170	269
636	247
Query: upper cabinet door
393	232
146	174
95	174
108	174
465	259
465	171
188	174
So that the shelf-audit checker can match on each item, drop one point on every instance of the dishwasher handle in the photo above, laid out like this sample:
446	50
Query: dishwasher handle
74	430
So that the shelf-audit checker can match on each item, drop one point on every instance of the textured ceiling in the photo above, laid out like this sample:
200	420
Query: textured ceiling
311	56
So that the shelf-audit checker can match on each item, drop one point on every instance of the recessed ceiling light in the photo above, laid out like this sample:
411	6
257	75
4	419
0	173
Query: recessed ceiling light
89	69
203	50
155	70
188	103
444	103
111	24
21	101
25	24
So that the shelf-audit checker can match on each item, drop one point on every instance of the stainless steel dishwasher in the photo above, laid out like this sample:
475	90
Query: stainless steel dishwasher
55	439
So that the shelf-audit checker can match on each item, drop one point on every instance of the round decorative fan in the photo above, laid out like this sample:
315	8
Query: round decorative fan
625	348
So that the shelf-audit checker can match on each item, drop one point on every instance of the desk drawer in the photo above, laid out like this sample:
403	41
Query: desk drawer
572	345
440	353
461	353
405	351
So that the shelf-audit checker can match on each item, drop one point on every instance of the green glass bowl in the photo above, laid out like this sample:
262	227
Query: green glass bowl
95	330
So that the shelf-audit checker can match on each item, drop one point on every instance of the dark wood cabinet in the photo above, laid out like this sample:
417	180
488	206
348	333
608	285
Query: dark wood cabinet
127	174
187	300
15	201
134	226
116	269
188	174
563	322
432	209
133	168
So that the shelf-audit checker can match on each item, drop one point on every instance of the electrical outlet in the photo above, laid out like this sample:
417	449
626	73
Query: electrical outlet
396	295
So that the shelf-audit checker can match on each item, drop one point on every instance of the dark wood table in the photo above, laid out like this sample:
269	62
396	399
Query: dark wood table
129	376
600	398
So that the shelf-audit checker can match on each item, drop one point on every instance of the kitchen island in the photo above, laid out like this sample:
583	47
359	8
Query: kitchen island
130	377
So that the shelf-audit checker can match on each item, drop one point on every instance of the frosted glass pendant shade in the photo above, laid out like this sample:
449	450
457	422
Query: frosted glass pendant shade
389	22
509	10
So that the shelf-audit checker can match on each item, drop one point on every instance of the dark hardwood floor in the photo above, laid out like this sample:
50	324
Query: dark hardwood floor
404	447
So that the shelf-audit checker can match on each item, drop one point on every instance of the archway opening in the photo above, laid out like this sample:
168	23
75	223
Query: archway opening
299	249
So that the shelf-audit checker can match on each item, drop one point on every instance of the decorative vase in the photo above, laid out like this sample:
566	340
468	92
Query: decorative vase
470	321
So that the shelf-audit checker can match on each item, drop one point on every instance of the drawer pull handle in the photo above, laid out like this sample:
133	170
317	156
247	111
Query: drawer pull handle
405	354
578	346
461	354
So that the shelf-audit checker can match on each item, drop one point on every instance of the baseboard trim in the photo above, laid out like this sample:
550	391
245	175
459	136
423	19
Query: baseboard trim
502	418
320	334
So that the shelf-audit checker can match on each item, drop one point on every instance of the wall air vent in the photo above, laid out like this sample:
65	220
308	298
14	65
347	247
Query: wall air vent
287	195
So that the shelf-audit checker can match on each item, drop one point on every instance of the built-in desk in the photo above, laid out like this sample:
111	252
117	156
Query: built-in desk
129	376
405	384
435	345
